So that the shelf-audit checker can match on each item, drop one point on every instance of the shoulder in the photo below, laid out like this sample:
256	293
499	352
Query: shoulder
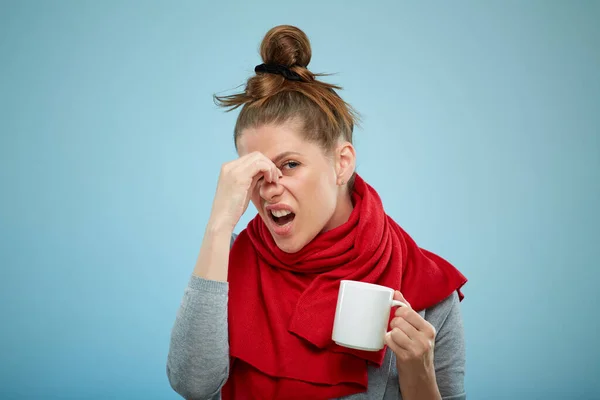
444	313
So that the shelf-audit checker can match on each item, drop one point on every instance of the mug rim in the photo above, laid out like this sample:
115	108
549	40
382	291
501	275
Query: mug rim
372	285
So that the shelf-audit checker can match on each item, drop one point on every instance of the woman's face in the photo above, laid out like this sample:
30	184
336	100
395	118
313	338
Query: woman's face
308	199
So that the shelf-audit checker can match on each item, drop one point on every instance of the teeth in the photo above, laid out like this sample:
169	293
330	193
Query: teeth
280	213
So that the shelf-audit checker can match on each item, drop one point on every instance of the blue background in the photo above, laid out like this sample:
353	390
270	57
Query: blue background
480	130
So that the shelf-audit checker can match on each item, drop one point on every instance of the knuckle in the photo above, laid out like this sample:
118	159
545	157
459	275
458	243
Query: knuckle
389	340
257	163
427	346
403	312
415	352
429	331
432	333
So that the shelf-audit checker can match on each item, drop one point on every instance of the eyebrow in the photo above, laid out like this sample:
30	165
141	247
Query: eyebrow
284	155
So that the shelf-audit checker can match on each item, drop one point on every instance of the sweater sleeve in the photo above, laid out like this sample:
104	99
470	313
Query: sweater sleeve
198	360
449	353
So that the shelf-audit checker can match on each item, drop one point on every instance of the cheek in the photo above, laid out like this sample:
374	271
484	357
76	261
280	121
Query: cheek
327	189
319	197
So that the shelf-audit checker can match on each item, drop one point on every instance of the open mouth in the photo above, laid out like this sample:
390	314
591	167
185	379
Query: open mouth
282	217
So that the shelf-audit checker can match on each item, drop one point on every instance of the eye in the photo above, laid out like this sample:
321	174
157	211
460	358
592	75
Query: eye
290	164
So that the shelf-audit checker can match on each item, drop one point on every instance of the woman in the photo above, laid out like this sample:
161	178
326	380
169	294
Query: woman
257	316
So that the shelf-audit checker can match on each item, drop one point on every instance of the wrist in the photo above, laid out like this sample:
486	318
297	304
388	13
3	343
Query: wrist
417	371
213	259
418	382
219	226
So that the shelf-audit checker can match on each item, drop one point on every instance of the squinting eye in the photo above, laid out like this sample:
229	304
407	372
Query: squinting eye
291	164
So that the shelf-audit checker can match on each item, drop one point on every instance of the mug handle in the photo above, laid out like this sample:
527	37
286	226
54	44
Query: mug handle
397	303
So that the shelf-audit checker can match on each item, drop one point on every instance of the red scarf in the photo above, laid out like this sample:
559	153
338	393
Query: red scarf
282	306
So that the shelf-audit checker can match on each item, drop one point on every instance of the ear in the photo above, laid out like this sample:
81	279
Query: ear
345	162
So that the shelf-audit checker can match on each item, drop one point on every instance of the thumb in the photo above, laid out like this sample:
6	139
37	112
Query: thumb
398	296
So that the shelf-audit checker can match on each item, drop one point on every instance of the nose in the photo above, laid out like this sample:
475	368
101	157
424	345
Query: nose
270	191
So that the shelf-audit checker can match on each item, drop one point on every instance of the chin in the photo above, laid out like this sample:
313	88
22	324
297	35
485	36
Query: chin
289	245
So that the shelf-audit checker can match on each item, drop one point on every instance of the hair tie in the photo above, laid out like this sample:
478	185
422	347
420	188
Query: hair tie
278	70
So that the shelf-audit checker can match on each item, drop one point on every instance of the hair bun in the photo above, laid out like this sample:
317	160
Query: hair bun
286	45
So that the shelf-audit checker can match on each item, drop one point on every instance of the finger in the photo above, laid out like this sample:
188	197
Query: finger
253	158
405	327
397	340
399	296
254	183
272	176
259	165
413	318
276	173
389	341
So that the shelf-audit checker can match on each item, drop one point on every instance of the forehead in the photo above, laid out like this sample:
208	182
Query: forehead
272	140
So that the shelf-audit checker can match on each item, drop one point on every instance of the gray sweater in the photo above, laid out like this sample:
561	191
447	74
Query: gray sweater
198	361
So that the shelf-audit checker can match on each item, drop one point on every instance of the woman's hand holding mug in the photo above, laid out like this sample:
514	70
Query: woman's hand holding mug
412	339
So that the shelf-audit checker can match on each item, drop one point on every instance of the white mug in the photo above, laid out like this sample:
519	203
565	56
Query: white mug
362	315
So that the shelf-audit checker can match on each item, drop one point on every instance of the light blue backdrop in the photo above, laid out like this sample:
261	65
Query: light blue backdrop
481	132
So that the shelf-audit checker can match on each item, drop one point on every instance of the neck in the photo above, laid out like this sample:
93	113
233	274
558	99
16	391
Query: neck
342	211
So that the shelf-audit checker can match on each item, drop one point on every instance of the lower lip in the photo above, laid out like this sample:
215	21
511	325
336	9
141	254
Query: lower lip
281	230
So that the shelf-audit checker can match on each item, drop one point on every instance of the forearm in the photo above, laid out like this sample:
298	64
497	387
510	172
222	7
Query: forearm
198	360
418	384
213	258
